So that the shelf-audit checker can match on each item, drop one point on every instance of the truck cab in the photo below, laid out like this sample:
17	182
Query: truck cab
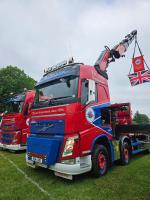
66	119
15	121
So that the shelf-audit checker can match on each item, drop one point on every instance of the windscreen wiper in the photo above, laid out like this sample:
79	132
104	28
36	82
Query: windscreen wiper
51	101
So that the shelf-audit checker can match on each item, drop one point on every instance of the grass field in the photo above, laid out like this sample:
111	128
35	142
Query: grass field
130	182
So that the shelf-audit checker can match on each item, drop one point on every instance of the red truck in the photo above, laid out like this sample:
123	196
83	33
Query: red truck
74	128
15	121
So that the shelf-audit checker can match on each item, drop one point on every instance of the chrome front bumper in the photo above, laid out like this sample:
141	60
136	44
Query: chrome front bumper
14	147
82	165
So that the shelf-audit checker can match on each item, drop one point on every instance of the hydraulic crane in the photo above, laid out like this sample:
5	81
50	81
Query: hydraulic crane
109	55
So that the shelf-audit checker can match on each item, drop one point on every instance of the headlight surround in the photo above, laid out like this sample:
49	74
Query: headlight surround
16	137
68	149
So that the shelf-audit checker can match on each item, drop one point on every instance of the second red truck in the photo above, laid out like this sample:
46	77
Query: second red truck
15	121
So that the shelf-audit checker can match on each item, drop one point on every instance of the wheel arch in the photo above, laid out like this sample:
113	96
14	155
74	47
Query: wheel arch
104	140
126	139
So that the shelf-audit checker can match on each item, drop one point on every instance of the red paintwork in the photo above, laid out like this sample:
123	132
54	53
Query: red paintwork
15	124
138	63
101	161
87	131
126	154
125	116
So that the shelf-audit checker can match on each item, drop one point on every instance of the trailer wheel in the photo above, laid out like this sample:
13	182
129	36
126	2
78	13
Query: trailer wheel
100	161
148	151
125	154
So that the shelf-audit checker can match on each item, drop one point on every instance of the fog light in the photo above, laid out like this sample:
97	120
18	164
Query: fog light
69	162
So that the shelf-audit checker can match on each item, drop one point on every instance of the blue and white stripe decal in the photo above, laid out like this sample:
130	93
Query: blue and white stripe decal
93	116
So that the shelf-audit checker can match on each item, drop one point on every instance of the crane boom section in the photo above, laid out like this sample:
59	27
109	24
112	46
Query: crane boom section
109	55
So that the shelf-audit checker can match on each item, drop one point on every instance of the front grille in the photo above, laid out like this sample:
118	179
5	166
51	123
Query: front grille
6	141
7	135
7	138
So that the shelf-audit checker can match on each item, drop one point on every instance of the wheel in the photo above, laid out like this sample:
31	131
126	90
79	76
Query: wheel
100	161
125	154
148	151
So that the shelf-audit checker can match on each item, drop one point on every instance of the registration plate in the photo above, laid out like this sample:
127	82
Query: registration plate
39	160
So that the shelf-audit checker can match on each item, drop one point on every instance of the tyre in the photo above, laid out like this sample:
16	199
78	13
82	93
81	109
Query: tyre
148	151
125	154
100	161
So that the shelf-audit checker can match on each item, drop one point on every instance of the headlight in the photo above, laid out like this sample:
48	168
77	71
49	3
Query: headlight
14	140
68	150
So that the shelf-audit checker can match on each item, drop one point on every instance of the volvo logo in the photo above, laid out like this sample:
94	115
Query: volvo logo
46	127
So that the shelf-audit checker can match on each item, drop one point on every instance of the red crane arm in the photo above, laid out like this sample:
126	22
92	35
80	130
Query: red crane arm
109	55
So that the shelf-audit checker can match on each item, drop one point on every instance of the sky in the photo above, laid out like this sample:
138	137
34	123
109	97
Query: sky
36	34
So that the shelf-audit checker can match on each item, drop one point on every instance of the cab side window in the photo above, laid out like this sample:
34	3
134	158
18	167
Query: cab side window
105	117
96	92
85	92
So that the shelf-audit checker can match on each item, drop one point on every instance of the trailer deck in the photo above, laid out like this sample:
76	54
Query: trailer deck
134	128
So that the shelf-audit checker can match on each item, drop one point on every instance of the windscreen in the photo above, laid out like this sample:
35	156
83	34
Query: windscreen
57	91
14	104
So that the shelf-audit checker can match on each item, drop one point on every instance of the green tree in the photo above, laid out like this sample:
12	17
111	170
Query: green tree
140	118
13	80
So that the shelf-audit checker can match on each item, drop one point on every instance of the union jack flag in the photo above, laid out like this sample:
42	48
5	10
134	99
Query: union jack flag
139	77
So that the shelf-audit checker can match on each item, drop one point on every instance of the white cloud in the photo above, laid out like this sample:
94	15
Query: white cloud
35	34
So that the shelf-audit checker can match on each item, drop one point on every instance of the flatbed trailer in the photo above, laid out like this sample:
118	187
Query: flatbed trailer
138	136
133	128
